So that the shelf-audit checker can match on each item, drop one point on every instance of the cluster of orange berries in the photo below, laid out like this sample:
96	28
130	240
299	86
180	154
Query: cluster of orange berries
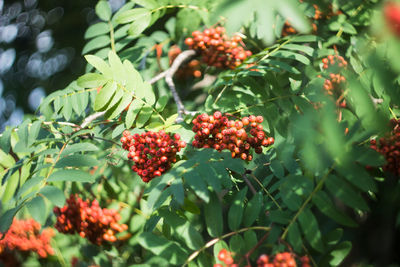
392	16
335	82
89	220
284	259
152	152
191	69
217	49
25	235
333	60
238	136
389	147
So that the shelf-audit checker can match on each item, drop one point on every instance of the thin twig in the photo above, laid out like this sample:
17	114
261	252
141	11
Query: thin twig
180	59
252	189
158	77
91	118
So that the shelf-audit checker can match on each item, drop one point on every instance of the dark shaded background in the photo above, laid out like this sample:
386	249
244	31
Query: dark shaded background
40	51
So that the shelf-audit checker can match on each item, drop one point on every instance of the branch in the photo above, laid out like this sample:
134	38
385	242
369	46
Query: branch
180	59
249	183
91	118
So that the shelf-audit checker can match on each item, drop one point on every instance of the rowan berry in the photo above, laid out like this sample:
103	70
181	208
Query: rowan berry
389	147
154	152
89	220
216	49
230	134
392	16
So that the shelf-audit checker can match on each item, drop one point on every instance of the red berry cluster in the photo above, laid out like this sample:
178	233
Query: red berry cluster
218	132
25	235
217	49
152	152
89	220
333	60
226	257
392	16
335	82
389	147
284	259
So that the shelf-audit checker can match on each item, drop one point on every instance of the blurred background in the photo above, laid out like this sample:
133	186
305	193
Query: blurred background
40	51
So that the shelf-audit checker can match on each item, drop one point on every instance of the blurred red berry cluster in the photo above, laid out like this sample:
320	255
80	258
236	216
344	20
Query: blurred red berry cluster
284	259
152	152
335	82
238	136
217	49
392	16
89	220
25	235
389	147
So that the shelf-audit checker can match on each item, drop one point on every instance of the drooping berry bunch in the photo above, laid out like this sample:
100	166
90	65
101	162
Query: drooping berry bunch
392	16
152	152
25	235
284	259
389	147
217	49
89	220
335	83
238	136
190	69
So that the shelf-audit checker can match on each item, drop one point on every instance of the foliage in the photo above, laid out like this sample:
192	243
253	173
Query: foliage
300	194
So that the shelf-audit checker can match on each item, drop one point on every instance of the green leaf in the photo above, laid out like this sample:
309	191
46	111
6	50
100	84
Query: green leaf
96	43
54	194
177	190
276	168
253	209
132	15
340	252
324	204
118	69
103	10
77	161
194	180
5	141
291	55
213	216
100	65
294	237
163	247
37	209
342	190
97	29
278	216
72	176
91	80
120	106
134	80
144	116
309	226
132	113
290	10
140	24
79	147
235	213
149	94
105	95
6	219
